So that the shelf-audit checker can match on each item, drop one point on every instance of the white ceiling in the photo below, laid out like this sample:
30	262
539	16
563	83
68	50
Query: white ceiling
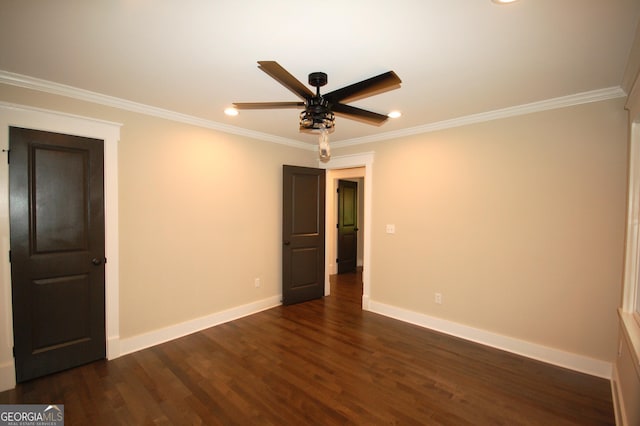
455	57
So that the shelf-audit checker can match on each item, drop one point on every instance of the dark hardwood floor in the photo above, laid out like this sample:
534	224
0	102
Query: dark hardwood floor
323	362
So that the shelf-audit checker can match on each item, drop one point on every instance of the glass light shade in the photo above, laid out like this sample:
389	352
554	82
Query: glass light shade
324	150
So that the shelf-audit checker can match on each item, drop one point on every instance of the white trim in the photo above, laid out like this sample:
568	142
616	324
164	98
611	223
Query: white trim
546	354
631	333
52	121
33	83
111	101
7	376
549	104
365	160
618	399
633	215
146	340
627	312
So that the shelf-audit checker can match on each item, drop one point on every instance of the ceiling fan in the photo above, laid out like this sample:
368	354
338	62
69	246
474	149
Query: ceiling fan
319	109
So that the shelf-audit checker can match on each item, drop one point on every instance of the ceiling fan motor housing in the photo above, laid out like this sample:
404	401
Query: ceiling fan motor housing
317	114
318	79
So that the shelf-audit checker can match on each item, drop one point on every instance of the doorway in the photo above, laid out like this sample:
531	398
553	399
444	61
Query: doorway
347	224
357	166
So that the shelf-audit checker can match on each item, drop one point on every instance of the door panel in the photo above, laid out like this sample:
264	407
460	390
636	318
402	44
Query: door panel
347	226
48	297
60	223
303	233
57	251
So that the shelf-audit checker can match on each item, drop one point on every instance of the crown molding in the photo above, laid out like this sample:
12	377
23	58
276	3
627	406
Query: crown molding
549	104
33	83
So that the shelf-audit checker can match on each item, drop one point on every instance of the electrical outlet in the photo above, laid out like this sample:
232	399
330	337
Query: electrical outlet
438	298
257	282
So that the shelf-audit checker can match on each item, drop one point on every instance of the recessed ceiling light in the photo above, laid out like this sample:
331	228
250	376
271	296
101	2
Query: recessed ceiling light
394	114
231	111
504	1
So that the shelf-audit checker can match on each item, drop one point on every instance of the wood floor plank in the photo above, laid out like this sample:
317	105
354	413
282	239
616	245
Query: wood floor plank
324	362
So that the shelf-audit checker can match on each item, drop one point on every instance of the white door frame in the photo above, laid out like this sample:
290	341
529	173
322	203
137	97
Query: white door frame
346	162
12	115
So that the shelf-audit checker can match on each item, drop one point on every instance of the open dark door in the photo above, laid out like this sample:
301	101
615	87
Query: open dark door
57	251
303	228
347	226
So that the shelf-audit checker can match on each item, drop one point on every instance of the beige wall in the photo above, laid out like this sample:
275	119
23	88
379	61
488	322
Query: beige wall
518	222
200	219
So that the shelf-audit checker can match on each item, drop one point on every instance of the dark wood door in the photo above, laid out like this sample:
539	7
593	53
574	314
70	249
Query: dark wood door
57	251
303	233
347	226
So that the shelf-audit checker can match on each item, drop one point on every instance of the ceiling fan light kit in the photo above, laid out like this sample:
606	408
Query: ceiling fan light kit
319	109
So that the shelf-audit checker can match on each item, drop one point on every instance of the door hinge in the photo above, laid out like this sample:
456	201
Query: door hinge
9	256
13	349
337	225
8	151
338	190
337	260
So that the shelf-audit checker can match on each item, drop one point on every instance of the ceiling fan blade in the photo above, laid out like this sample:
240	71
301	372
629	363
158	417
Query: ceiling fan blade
359	114
267	105
369	87
287	80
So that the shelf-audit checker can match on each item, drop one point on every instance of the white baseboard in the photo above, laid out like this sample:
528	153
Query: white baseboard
556	357
542	353
113	347
366	303
7	376
146	340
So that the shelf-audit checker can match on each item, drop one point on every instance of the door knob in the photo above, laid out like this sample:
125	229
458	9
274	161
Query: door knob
286	242
96	261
